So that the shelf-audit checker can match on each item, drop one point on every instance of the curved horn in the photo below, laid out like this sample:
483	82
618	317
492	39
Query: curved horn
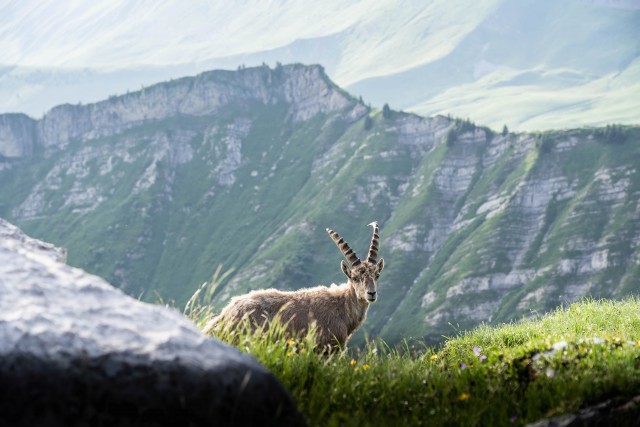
348	253
373	249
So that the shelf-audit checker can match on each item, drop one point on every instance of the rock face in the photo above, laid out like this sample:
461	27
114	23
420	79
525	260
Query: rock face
306	89
12	237
76	351
18	134
612	412
154	189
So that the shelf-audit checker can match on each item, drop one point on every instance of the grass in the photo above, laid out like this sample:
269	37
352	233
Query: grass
508	375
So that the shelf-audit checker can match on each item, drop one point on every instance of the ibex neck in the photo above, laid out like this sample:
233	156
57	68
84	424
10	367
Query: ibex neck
357	308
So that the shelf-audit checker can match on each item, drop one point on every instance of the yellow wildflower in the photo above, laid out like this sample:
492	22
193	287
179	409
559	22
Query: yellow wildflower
352	362
365	367
464	396
434	356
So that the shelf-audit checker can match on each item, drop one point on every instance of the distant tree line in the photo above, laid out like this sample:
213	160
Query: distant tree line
462	126
544	142
612	134
387	113
368	122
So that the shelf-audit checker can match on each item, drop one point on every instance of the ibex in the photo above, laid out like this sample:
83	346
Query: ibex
336	311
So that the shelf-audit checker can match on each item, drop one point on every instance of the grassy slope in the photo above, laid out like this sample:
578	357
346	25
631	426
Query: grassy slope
508	375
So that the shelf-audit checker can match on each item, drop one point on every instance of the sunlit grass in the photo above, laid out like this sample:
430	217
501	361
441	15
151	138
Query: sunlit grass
499	376
198	308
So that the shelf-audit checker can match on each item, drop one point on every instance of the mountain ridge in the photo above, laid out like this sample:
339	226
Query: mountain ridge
476	226
201	95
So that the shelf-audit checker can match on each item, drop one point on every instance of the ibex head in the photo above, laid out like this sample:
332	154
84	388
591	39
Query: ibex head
363	276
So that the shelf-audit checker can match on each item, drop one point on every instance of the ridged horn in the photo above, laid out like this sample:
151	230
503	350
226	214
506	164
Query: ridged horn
373	249
348	253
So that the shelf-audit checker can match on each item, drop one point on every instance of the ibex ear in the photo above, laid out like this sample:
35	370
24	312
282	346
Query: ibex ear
345	269
380	265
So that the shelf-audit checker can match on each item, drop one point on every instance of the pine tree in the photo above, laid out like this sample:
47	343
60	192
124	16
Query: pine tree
386	111
368	123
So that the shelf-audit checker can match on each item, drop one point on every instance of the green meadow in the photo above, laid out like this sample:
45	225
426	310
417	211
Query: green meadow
506	375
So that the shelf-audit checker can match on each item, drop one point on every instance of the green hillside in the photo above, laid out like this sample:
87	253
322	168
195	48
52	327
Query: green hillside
154	189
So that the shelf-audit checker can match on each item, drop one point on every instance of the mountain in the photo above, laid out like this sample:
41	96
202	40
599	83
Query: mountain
154	189
530	64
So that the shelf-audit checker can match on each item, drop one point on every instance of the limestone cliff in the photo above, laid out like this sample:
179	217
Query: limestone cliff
17	135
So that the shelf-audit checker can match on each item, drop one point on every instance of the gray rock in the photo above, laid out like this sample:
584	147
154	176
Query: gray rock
76	351
17	135
12	237
613	412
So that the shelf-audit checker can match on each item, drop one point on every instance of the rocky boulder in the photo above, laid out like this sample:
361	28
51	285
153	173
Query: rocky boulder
76	351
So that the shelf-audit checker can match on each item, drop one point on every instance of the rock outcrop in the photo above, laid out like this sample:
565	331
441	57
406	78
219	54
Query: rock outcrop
76	351
18	135
306	89
612	412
